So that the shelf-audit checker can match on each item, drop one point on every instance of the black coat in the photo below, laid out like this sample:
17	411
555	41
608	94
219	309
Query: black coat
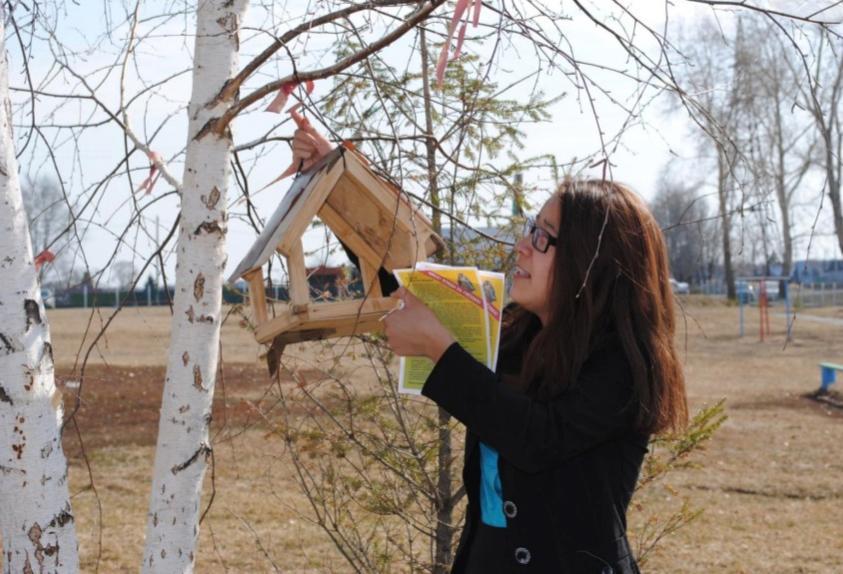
568	466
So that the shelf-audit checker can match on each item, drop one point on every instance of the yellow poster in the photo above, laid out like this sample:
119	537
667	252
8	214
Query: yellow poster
492	284
455	295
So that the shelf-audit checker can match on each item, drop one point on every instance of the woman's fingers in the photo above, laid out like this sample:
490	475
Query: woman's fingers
302	122
305	149
303	144
309	146
322	145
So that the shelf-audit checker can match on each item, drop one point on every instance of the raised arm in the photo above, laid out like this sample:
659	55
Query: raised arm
534	435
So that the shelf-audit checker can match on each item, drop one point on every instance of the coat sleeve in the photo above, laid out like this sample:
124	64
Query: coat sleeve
531	434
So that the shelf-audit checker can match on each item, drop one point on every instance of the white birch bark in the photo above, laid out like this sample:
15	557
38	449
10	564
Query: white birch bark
183	443
36	522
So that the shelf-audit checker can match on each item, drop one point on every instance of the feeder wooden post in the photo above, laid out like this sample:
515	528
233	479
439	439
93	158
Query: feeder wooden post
257	295
299	288
369	277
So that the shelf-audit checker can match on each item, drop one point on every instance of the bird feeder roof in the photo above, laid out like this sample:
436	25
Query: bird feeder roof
364	210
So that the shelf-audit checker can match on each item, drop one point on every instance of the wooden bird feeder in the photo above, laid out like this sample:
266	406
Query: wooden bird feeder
369	215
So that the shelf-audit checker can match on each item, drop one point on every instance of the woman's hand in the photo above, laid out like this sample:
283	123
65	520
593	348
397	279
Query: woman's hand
414	330
309	146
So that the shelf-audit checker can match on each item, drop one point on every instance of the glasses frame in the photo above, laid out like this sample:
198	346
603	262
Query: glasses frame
535	232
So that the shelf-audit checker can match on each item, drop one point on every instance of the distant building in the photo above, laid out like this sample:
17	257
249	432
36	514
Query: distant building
818	271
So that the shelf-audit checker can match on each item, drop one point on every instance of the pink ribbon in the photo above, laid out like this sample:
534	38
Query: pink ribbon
284	93
154	173
45	256
463	7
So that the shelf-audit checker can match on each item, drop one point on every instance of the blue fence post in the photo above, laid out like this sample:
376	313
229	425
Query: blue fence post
827	376
740	306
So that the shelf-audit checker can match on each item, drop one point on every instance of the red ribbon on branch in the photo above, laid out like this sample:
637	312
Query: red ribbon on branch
45	256
154	172
285	92
463	7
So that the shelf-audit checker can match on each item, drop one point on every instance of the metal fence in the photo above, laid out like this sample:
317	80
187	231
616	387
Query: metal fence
86	296
826	294
710	287
817	294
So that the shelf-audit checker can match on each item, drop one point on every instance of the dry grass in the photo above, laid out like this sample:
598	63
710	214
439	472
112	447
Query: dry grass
770	481
138	336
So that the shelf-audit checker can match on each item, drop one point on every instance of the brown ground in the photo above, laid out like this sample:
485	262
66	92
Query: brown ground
770	482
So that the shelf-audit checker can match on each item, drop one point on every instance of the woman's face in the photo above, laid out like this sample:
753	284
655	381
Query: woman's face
531	281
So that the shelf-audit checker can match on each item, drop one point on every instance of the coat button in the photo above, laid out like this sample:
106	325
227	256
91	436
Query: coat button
510	509
607	570
522	555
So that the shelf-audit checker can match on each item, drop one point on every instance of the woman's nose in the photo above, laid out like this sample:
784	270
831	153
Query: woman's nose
522	246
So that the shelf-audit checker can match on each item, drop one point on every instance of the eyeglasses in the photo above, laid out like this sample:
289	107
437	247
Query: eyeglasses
541	239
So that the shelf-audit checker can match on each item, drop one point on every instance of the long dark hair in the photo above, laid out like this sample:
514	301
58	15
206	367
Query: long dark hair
610	279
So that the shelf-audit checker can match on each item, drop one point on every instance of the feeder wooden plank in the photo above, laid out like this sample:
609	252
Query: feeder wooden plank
292	337
410	222
362	183
257	294
337	327
369	277
299	287
326	316
283	322
386	193
350	326
373	224
349	236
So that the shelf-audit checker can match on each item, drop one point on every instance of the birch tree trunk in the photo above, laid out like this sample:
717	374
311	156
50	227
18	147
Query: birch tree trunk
36	522
183	444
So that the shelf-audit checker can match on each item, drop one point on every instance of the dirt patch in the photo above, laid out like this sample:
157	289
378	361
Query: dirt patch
120	406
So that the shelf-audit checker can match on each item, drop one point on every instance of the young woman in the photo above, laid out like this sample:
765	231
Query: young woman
587	372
